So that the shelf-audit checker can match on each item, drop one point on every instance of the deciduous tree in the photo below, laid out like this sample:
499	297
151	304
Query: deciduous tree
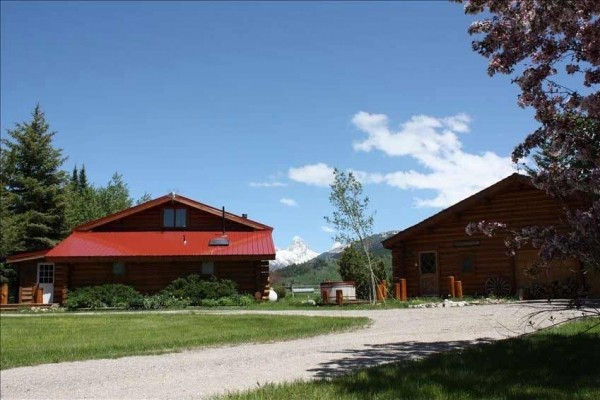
351	218
552	48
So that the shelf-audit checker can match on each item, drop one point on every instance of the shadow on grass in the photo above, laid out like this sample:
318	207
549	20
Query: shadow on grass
530	367
378	354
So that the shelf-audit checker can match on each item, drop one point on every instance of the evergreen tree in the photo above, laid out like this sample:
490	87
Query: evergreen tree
74	178
82	184
352	268
33	186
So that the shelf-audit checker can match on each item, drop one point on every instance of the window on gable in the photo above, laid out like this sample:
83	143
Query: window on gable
174	218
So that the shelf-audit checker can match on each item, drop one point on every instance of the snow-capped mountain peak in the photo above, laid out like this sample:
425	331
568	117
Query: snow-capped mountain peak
297	252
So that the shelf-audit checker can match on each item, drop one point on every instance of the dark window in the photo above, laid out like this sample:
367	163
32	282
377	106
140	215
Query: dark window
428	262
119	268
174	218
468	263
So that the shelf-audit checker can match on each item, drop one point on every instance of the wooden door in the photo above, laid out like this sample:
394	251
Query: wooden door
428	271
46	281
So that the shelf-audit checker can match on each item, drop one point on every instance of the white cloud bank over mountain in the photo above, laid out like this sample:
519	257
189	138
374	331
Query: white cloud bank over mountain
453	173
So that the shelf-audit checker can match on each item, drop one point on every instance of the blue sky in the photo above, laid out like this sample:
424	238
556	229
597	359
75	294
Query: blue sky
249	105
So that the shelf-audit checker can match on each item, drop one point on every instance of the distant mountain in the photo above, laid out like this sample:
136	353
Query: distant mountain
324	267
296	253
376	246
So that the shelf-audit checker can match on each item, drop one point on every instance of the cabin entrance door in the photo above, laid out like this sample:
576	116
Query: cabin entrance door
46	281
428	271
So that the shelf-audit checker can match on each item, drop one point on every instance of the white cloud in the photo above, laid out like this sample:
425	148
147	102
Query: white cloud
289	202
327	229
451	172
319	174
267	184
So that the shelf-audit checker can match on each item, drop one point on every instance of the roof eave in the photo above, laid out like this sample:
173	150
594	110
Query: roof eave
390	242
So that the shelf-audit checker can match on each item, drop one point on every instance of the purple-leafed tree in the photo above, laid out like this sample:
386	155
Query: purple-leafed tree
551	49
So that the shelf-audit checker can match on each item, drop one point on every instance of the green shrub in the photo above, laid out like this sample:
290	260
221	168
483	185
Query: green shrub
197	289
157	301
280	290
111	295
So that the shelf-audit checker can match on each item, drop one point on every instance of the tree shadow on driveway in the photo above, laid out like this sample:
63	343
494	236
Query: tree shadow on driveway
376	354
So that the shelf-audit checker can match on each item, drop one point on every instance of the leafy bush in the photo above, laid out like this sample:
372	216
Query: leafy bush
229	301
197	289
112	295
280	290
158	301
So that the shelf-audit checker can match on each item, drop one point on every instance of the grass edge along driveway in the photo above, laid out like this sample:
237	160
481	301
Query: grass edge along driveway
559	363
50	339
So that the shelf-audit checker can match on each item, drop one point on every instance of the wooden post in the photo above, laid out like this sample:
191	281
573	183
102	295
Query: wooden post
458	289
325	296
403	293
39	295
397	291
380	289
385	289
339	297
451	286
4	294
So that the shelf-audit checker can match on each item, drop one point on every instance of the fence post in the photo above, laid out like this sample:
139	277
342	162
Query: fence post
380	292
451	286
339	297
39	295
458	289
4	294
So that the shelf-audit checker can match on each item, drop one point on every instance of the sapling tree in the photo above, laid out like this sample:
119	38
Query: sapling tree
552	50
351	218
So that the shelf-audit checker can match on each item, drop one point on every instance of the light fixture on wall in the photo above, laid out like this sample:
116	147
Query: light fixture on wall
184	240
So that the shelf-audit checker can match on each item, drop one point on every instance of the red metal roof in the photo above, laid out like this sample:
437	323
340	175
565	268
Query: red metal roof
26	256
163	244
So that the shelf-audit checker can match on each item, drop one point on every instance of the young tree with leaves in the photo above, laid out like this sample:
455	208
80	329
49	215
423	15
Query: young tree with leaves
351	218
553	50
33	201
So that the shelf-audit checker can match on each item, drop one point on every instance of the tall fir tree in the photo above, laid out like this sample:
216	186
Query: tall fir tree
32	187
83	182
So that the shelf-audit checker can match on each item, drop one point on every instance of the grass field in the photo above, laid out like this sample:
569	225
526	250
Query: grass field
563	363
31	340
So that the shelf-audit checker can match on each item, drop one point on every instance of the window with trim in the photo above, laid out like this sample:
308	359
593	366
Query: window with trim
208	268
174	218
428	262
45	273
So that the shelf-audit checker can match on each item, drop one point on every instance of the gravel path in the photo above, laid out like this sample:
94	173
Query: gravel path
395	335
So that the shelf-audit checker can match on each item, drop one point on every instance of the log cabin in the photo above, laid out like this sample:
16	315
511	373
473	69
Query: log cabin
428	253
147	247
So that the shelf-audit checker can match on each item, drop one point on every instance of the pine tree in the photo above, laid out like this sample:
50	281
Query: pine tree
32	186
83	182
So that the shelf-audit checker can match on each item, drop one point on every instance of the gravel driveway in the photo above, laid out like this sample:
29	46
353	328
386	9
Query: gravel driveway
395	335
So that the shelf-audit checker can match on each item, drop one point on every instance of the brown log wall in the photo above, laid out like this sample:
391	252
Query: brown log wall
151	277
519	206
152	220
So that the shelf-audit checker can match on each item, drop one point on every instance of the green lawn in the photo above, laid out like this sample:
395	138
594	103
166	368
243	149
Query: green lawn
563	363
299	302
37	339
